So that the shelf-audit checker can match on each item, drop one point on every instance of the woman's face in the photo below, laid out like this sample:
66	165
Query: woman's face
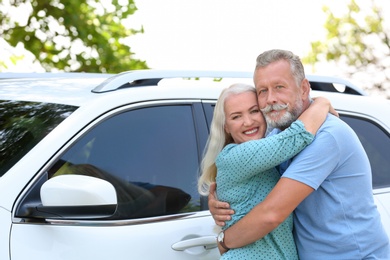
244	121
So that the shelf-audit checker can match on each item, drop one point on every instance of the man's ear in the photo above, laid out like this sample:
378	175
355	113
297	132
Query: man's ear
305	86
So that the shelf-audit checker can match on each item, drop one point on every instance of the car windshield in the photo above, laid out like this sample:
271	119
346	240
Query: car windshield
23	124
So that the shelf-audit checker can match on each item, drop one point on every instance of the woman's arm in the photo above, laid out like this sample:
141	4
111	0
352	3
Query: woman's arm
260	155
266	153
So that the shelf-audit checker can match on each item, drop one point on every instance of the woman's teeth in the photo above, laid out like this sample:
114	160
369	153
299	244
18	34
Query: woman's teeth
251	131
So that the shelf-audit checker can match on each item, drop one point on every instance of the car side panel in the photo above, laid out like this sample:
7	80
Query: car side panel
5	220
116	241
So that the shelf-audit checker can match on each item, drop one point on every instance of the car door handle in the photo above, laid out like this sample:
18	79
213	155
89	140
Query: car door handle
208	242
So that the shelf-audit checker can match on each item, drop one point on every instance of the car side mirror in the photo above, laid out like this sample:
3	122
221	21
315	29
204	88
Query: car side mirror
76	197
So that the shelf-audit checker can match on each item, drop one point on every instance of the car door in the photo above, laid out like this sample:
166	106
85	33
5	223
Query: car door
150	152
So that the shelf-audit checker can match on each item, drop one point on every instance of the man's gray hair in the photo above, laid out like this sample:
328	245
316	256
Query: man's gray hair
271	56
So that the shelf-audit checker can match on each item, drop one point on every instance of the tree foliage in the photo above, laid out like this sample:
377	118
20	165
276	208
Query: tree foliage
69	35
358	43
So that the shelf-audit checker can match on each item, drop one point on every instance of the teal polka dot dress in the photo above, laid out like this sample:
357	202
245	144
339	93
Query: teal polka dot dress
246	173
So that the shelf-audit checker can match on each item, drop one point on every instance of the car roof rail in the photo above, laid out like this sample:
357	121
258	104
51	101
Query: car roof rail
151	77
43	75
138	78
334	84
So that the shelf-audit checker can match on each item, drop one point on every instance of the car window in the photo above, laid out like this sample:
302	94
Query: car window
149	154
23	124
376	142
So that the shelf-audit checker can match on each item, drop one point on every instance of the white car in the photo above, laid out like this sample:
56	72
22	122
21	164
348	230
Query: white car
97	166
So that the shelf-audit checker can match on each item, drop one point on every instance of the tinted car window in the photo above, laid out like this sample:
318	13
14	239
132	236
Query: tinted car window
23	125
150	155
376	142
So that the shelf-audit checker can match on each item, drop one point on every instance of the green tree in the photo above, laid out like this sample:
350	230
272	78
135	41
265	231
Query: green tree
358	44
72	35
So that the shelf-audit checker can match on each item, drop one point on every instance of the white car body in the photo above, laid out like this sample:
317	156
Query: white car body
176	236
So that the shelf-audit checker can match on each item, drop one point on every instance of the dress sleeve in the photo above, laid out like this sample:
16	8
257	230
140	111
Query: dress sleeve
263	154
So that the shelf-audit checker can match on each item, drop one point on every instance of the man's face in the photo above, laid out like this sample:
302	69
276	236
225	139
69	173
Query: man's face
279	97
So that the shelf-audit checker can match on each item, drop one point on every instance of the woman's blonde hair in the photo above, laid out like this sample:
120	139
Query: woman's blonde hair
218	137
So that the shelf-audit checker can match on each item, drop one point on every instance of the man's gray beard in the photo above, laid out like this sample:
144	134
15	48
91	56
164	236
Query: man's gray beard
287	119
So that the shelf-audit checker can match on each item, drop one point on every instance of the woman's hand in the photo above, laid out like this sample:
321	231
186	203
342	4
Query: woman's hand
331	108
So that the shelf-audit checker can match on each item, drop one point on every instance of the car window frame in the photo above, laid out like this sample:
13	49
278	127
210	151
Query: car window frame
202	135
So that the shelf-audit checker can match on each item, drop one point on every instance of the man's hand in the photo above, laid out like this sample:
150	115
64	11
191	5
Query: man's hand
219	210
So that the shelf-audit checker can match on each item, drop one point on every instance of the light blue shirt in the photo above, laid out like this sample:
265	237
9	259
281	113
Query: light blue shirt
339	220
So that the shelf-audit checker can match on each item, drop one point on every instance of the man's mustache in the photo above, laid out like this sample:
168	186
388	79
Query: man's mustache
274	107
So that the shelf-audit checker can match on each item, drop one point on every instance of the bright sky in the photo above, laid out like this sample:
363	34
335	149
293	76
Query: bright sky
223	34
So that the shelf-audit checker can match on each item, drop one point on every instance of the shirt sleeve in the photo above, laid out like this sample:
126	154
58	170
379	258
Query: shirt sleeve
263	154
314	164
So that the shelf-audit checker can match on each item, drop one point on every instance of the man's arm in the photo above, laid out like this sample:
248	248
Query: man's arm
267	215
220	211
